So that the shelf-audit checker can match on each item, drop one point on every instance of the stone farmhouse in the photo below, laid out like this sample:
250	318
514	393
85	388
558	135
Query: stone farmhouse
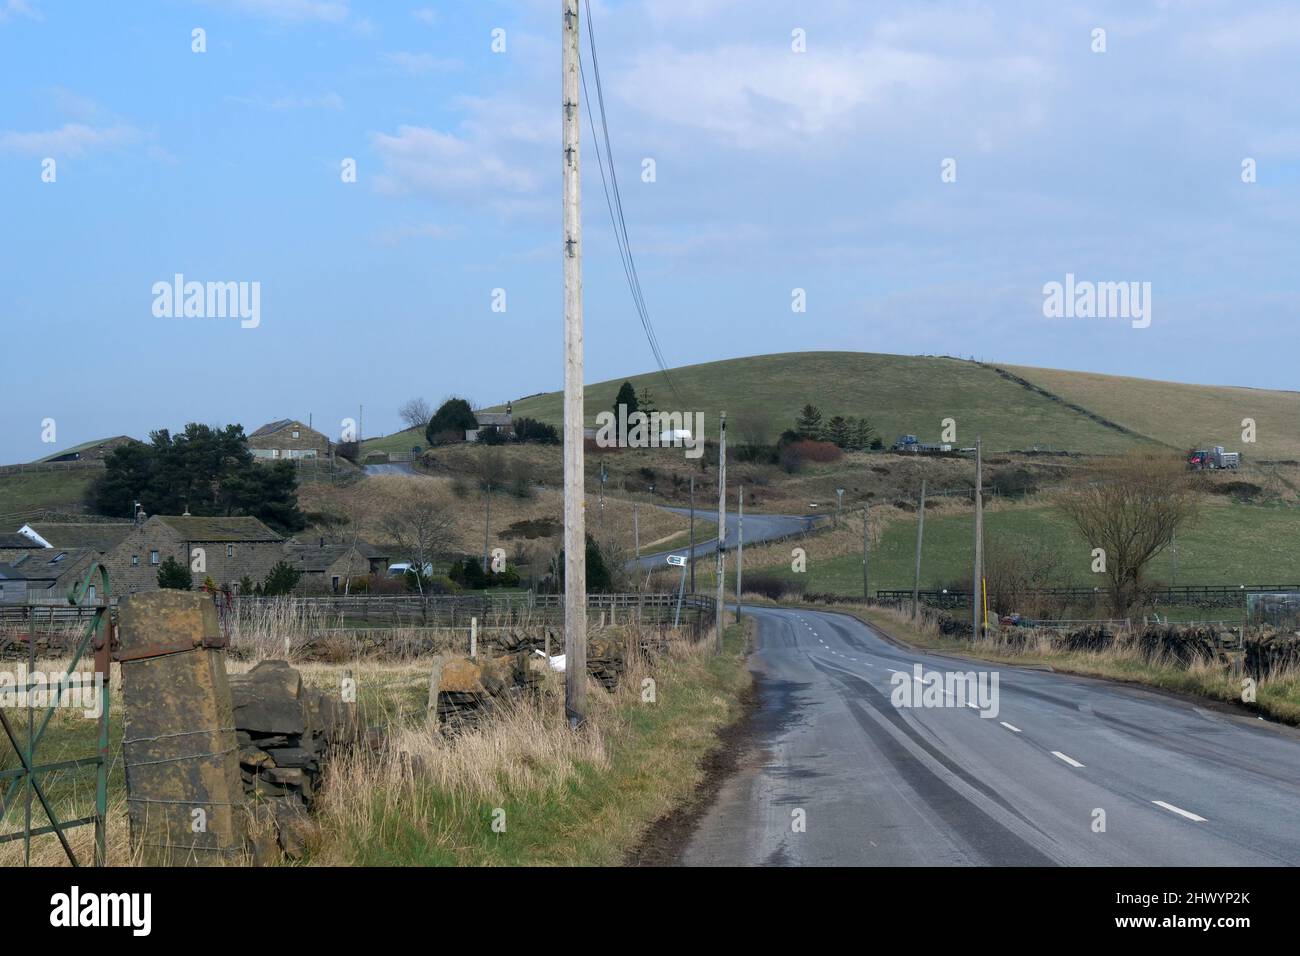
333	567
287	439
502	422
50	556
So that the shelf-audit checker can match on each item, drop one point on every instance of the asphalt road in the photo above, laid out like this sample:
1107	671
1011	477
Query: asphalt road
758	528
396	468
883	785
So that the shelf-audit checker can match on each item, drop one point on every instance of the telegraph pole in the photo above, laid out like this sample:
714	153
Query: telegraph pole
977	589
722	525
575	537
740	551
920	533
692	534
866	551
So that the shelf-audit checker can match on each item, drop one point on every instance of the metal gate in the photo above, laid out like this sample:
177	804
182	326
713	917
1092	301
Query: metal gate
95	642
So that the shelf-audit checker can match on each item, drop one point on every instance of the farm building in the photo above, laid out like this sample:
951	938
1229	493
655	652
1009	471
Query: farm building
50	573
100	536
96	450
13	586
287	439
502	422
223	549
14	546
333	566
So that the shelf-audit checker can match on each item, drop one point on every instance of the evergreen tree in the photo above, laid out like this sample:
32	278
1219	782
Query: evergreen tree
809	423
174	576
208	471
861	434
281	579
450	422
626	396
837	431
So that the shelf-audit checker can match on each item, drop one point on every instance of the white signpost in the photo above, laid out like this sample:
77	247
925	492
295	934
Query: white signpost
679	561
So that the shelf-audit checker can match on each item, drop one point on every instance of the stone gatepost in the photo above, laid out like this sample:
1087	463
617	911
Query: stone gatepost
185	796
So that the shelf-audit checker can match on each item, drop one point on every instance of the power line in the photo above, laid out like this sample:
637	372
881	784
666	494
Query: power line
614	201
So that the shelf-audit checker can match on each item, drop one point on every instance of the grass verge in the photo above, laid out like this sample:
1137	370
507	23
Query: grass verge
555	797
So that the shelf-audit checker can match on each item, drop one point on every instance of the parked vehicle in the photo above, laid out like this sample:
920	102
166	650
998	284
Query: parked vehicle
1214	459
909	443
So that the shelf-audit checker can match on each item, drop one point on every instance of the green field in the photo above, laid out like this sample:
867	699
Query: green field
1206	415
1228	544
52	490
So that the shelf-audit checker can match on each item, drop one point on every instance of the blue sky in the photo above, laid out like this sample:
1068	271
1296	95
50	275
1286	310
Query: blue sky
776	170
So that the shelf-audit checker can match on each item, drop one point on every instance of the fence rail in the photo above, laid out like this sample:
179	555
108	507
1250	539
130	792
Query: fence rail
1175	594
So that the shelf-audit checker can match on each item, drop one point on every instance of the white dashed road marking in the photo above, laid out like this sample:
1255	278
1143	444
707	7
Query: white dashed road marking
1182	813
1070	760
1014	730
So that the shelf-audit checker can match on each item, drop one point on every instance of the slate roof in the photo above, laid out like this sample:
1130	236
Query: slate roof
243	528
314	557
102	536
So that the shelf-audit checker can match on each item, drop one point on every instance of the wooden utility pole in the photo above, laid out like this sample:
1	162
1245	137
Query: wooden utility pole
722	526
866	551
575	536
740	550
692	534
487	524
636	537
920	533
977	585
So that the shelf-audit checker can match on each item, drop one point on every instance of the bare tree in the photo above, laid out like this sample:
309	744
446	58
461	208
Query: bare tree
423	531
1130	507
1017	568
416	413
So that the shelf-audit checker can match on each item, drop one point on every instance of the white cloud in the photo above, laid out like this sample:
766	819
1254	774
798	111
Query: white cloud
71	139
1251	34
425	15
421	159
10	9
760	97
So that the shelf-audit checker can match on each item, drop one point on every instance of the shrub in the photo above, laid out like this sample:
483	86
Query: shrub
174	576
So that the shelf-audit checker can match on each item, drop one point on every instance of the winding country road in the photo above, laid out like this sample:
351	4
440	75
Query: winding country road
758	528
1179	784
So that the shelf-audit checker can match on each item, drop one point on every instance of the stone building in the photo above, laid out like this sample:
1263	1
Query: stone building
50	573
334	567
287	439
226	550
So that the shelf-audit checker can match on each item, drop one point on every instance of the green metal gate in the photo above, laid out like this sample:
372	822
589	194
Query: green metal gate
95	642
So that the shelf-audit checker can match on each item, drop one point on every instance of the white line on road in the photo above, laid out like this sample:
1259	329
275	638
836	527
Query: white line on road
1014	730
1070	760
1182	813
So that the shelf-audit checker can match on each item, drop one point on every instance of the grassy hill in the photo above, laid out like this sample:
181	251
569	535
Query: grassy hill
1182	415
1075	411
900	394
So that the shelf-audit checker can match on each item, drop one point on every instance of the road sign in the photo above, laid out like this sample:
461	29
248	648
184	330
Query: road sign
677	560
